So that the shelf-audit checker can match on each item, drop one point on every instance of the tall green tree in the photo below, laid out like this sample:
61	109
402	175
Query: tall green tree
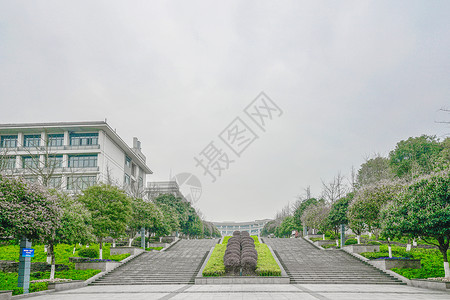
415	156
338	212
27	210
423	210
374	170
301	206
269	228
110	209
75	226
366	205
316	216
144	215
286	227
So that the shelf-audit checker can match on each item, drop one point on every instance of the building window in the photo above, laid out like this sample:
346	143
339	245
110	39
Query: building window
55	182
80	182
30	162
83	161
127	179
55	140
127	161
54	161
32	140
8	162
83	139
133	170
9	141
140	183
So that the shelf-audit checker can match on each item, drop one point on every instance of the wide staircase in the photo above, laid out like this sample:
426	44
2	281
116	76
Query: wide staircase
304	263
177	265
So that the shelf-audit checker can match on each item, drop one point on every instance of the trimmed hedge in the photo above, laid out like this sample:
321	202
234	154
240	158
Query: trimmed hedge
88	252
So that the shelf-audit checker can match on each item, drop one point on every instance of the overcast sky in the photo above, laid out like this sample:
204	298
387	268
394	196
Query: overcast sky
352	78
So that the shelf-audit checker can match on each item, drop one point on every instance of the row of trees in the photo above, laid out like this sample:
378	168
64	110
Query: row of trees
47	216
404	194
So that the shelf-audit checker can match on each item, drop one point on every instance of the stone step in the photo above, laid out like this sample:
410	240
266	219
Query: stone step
177	265
306	264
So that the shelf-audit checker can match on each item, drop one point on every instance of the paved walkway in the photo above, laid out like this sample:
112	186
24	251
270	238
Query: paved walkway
256	291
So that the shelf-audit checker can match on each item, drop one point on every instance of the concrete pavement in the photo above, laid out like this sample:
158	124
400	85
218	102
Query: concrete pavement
251	291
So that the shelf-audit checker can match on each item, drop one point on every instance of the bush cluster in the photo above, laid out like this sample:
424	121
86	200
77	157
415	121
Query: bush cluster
240	254
88	252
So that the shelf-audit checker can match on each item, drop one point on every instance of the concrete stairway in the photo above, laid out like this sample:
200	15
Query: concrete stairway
304	263
178	265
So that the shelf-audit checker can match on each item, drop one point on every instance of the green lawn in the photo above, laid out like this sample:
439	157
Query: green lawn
62	253
215	266
8	281
431	261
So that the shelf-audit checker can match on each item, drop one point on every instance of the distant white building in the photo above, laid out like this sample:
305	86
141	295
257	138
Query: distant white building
253	227
72	155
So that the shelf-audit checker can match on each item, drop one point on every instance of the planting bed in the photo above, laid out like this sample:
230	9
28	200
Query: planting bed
267	269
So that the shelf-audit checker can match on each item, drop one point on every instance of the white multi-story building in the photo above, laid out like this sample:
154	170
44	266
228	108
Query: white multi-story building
154	189
72	155
253	227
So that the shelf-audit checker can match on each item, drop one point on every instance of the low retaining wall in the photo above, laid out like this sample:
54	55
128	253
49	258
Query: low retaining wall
164	245
61	286
124	250
388	264
431	284
12	266
362	248
103	266
5	295
242	280
325	242
311	236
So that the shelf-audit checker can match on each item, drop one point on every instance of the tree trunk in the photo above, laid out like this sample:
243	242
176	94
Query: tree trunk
52	255
389	247
101	249
74	249
130	240
414	242
443	248
114	243
408	246
323	237
358	238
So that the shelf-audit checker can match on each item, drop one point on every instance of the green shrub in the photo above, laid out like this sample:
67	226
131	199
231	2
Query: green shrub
374	243
38	286
119	257
88	252
351	242
154	248
8	281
